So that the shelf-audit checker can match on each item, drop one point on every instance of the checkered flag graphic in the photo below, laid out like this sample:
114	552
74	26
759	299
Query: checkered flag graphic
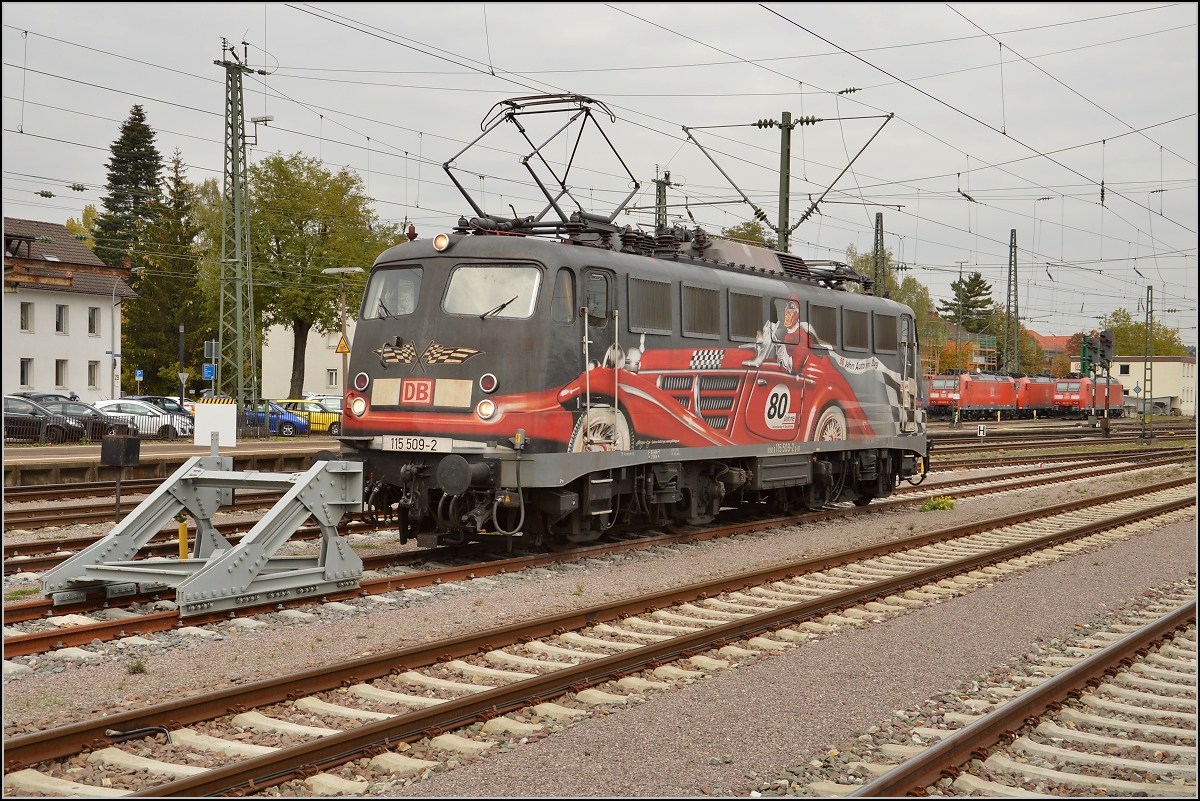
707	359
389	354
437	354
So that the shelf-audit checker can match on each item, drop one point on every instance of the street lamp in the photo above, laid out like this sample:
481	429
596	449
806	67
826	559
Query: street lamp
114	381
341	271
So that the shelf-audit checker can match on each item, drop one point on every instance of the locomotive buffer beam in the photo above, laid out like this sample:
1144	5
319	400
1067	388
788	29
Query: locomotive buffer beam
218	576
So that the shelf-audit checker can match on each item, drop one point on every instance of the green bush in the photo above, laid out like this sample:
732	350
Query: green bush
939	504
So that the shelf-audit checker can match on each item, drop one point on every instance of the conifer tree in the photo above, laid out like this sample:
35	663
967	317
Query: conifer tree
133	192
972	299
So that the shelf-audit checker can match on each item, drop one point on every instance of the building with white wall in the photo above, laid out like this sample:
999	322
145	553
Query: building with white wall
62	318
322	364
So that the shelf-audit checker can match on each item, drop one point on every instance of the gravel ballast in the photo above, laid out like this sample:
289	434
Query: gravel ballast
788	709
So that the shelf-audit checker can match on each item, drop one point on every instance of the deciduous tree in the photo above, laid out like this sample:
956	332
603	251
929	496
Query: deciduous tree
752	232
1129	336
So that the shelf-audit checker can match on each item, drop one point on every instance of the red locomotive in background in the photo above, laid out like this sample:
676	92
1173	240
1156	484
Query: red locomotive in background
981	396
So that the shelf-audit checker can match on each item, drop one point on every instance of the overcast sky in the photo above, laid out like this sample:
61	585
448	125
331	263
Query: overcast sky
1026	108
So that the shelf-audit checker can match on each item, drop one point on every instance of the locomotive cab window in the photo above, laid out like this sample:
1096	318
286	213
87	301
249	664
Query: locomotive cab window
823	324
493	291
885	333
854	330
391	292
701	312
562	309
745	316
596	299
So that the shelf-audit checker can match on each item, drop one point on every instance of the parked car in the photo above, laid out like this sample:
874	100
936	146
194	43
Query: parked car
278	420
95	422
321	419
164	402
42	397
27	421
147	419
331	402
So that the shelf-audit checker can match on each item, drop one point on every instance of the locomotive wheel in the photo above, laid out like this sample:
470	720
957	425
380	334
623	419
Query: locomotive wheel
863	500
601	423
831	425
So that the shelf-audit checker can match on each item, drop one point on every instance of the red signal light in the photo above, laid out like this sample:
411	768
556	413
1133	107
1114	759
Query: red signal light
488	383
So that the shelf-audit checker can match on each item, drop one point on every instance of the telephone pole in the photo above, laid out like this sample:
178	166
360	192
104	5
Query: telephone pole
237	362
1012	324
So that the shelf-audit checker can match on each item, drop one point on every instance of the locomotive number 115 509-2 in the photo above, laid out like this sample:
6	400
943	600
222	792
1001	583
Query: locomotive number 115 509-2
415	444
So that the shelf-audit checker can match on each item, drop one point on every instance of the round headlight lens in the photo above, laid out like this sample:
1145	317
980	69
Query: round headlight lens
441	242
361	381
358	406
486	409
488	383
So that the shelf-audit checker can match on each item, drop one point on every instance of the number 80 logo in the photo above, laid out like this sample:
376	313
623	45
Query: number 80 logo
778	413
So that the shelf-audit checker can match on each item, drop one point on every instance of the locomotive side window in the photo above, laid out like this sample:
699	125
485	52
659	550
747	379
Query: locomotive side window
701	312
745	316
854	330
823	324
507	291
649	306
785	319
562	310
885	333
391	293
596	290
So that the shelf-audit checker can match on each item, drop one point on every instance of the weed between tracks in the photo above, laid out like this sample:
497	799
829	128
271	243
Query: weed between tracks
16	595
942	503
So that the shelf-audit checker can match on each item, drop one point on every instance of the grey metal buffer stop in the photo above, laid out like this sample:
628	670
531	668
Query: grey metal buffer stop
218	576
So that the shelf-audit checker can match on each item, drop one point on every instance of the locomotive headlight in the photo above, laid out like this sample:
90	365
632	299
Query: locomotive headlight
358	406
441	242
486	409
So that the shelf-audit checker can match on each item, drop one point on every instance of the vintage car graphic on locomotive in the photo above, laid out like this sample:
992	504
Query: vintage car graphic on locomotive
555	386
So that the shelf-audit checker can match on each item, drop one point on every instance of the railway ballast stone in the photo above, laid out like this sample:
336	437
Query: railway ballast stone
328	784
399	765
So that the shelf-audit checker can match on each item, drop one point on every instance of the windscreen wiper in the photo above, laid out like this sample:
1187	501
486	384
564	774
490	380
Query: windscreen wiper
498	308
386	311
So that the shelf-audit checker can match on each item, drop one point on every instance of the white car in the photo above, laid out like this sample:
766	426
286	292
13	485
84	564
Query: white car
331	402
147	419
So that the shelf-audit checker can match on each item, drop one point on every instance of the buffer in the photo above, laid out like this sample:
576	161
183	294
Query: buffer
218	576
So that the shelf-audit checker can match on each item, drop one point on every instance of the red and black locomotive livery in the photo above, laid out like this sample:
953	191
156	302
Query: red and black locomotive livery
505	383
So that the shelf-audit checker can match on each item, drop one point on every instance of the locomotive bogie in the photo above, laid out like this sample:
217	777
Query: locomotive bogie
505	384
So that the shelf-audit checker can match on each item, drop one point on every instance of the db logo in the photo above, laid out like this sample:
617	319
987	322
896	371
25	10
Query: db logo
417	391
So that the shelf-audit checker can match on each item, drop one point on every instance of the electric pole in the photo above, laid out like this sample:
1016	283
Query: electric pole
1012	324
1147	435
660	200
878	257
237	362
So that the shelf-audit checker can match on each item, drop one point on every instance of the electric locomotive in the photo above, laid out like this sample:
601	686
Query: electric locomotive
504	384
559	374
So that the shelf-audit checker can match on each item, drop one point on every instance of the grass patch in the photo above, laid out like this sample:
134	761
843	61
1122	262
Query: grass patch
136	666
942	503
16	595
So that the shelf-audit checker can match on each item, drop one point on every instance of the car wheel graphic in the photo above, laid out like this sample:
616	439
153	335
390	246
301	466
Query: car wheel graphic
831	425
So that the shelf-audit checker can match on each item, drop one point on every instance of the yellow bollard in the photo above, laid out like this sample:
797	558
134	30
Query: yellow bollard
183	543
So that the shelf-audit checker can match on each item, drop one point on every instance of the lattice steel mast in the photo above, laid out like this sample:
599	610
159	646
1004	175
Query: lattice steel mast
1012	317
237	362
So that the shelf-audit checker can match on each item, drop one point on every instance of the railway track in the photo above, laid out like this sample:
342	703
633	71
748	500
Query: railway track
1112	718
44	627
403	711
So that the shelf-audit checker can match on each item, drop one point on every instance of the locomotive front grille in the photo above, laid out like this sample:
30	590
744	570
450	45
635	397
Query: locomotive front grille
684	401
719	382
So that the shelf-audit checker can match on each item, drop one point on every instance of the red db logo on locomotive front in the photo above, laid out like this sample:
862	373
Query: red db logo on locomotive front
417	391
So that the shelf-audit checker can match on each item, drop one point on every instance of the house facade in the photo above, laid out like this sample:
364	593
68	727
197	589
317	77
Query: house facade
322	363
62	317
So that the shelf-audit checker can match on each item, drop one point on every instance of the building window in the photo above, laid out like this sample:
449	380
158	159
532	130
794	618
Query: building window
93	375
60	318
60	373
94	321
26	316
27	373
1123	369
331	377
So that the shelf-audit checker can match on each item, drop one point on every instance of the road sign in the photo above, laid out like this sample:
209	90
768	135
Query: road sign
981	430
1137	389
183	377
343	346
210	372
137	375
